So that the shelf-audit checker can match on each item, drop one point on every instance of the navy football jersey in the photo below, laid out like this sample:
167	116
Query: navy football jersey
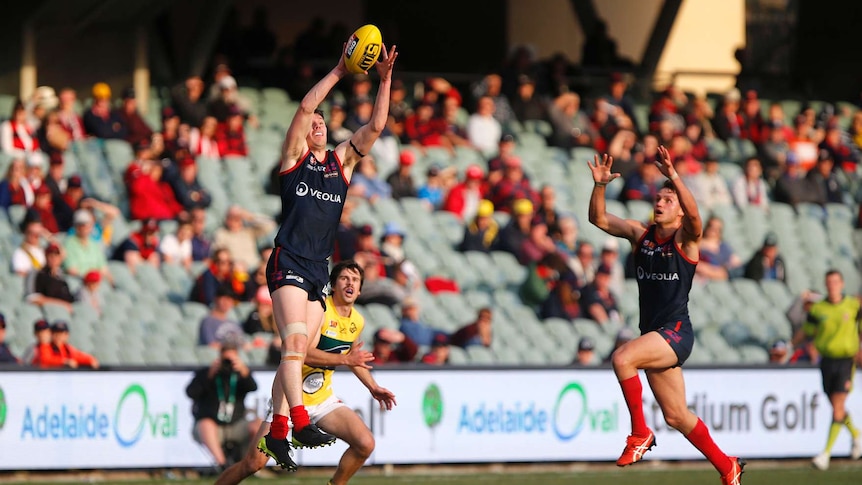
664	277
312	196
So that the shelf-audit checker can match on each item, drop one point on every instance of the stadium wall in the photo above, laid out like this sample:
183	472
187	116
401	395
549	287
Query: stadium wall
142	419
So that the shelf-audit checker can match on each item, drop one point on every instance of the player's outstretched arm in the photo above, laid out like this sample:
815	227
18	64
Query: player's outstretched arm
599	217
295	144
691	222
366	135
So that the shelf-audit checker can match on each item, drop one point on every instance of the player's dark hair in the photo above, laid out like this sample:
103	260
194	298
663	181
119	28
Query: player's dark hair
320	112
668	184
834	271
345	265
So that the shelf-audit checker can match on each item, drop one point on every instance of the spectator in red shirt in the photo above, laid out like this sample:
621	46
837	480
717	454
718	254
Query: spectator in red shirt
513	186
202	141
149	196
231	136
17	137
59	353
44	209
753	124
137	129
425	129
439	352
463	199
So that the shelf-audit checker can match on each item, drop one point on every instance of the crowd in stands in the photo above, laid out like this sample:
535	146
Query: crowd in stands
810	156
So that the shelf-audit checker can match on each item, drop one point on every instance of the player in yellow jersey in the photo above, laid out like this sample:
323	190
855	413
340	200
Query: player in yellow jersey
833	324
336	344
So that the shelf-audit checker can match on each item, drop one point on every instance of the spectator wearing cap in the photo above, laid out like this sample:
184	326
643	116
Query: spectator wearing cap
513	186
70	119
142	246
483	130
412	326
392	346
598	301
137	130
718	261
203	139
392	246
59	353
6	355
517	230
17	137
463	199
749	188
89	294
100	120
767	263
824	182
401	180
50	287
188	102
226	91
366	182
239	235
586	355
42	335
527	104
83	253
481	233
218	324
177	248
438	354
187	189
30	255
230	135
476	333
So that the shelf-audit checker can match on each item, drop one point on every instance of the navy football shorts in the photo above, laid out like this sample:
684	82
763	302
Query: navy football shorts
680	336
284	268
837	374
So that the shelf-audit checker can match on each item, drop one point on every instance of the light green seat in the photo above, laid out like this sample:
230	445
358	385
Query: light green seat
458	356
639	210
480	355
753	354
381	315
514	272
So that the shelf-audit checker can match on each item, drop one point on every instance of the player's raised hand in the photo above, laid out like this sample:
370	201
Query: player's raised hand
601	169
386	61
664	163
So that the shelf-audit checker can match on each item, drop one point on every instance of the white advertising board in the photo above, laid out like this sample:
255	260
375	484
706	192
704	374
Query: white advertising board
61	420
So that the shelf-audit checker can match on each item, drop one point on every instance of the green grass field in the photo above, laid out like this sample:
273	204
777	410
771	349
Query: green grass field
772	473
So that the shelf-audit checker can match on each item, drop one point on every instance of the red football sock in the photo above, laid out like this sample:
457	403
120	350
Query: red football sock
633	394
701	440
299	417
278	428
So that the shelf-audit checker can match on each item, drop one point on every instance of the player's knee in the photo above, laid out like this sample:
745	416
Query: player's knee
364	446
674	419
620	358
253	464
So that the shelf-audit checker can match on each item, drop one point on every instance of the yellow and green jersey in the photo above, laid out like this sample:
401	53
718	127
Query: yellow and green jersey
835	327
337	334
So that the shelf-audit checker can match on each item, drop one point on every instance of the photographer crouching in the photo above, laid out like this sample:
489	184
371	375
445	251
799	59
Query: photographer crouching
218	392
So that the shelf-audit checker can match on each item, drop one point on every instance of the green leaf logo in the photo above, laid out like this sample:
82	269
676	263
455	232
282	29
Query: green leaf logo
432	406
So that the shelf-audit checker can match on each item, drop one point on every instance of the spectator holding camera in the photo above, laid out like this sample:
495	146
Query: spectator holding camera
218	394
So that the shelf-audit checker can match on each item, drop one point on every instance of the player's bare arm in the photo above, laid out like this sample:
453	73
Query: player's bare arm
692	224
319	358
611	224
384	396
365	136
296	139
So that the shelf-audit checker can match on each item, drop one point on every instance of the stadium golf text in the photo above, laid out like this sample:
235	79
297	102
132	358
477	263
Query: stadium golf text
54	420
